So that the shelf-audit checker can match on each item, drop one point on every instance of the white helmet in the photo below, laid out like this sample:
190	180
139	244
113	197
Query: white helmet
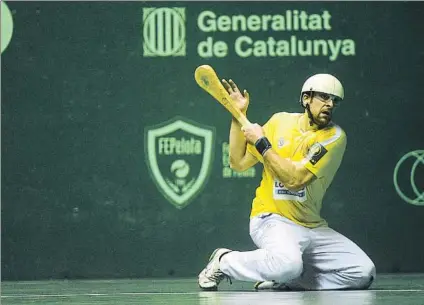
324	83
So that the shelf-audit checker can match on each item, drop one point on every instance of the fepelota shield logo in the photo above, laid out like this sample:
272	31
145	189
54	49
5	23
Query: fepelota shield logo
179	155
164	32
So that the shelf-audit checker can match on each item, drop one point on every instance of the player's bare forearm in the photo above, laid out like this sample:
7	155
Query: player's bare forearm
238	144
294	176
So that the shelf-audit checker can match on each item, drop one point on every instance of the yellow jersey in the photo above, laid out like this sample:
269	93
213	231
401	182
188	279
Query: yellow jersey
320	151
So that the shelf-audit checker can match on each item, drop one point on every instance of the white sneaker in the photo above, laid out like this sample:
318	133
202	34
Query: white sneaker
270	285
211	276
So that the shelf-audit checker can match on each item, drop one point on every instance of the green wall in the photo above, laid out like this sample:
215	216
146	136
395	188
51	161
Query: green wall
83	86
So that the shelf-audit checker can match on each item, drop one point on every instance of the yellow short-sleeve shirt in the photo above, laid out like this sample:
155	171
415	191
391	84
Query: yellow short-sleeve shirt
320	151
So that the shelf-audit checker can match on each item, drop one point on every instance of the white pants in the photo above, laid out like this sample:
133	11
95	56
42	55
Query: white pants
303	258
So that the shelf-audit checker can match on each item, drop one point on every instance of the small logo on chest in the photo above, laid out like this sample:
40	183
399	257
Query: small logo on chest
280	142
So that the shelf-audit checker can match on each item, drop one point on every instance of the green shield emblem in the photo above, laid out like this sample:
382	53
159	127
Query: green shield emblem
179	155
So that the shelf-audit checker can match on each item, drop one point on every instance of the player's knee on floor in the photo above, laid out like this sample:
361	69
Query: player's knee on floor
364	275
368	275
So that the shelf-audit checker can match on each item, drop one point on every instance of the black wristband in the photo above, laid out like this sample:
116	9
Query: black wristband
262	145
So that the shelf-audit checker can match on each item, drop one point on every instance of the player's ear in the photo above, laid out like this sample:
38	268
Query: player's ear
305	99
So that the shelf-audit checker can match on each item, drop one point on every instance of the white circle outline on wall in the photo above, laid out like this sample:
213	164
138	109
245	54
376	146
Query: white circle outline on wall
6	26
419	200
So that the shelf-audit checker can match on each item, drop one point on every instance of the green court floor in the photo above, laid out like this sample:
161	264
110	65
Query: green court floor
388	289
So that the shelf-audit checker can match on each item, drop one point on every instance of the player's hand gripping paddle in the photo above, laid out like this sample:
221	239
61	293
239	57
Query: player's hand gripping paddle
207	79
